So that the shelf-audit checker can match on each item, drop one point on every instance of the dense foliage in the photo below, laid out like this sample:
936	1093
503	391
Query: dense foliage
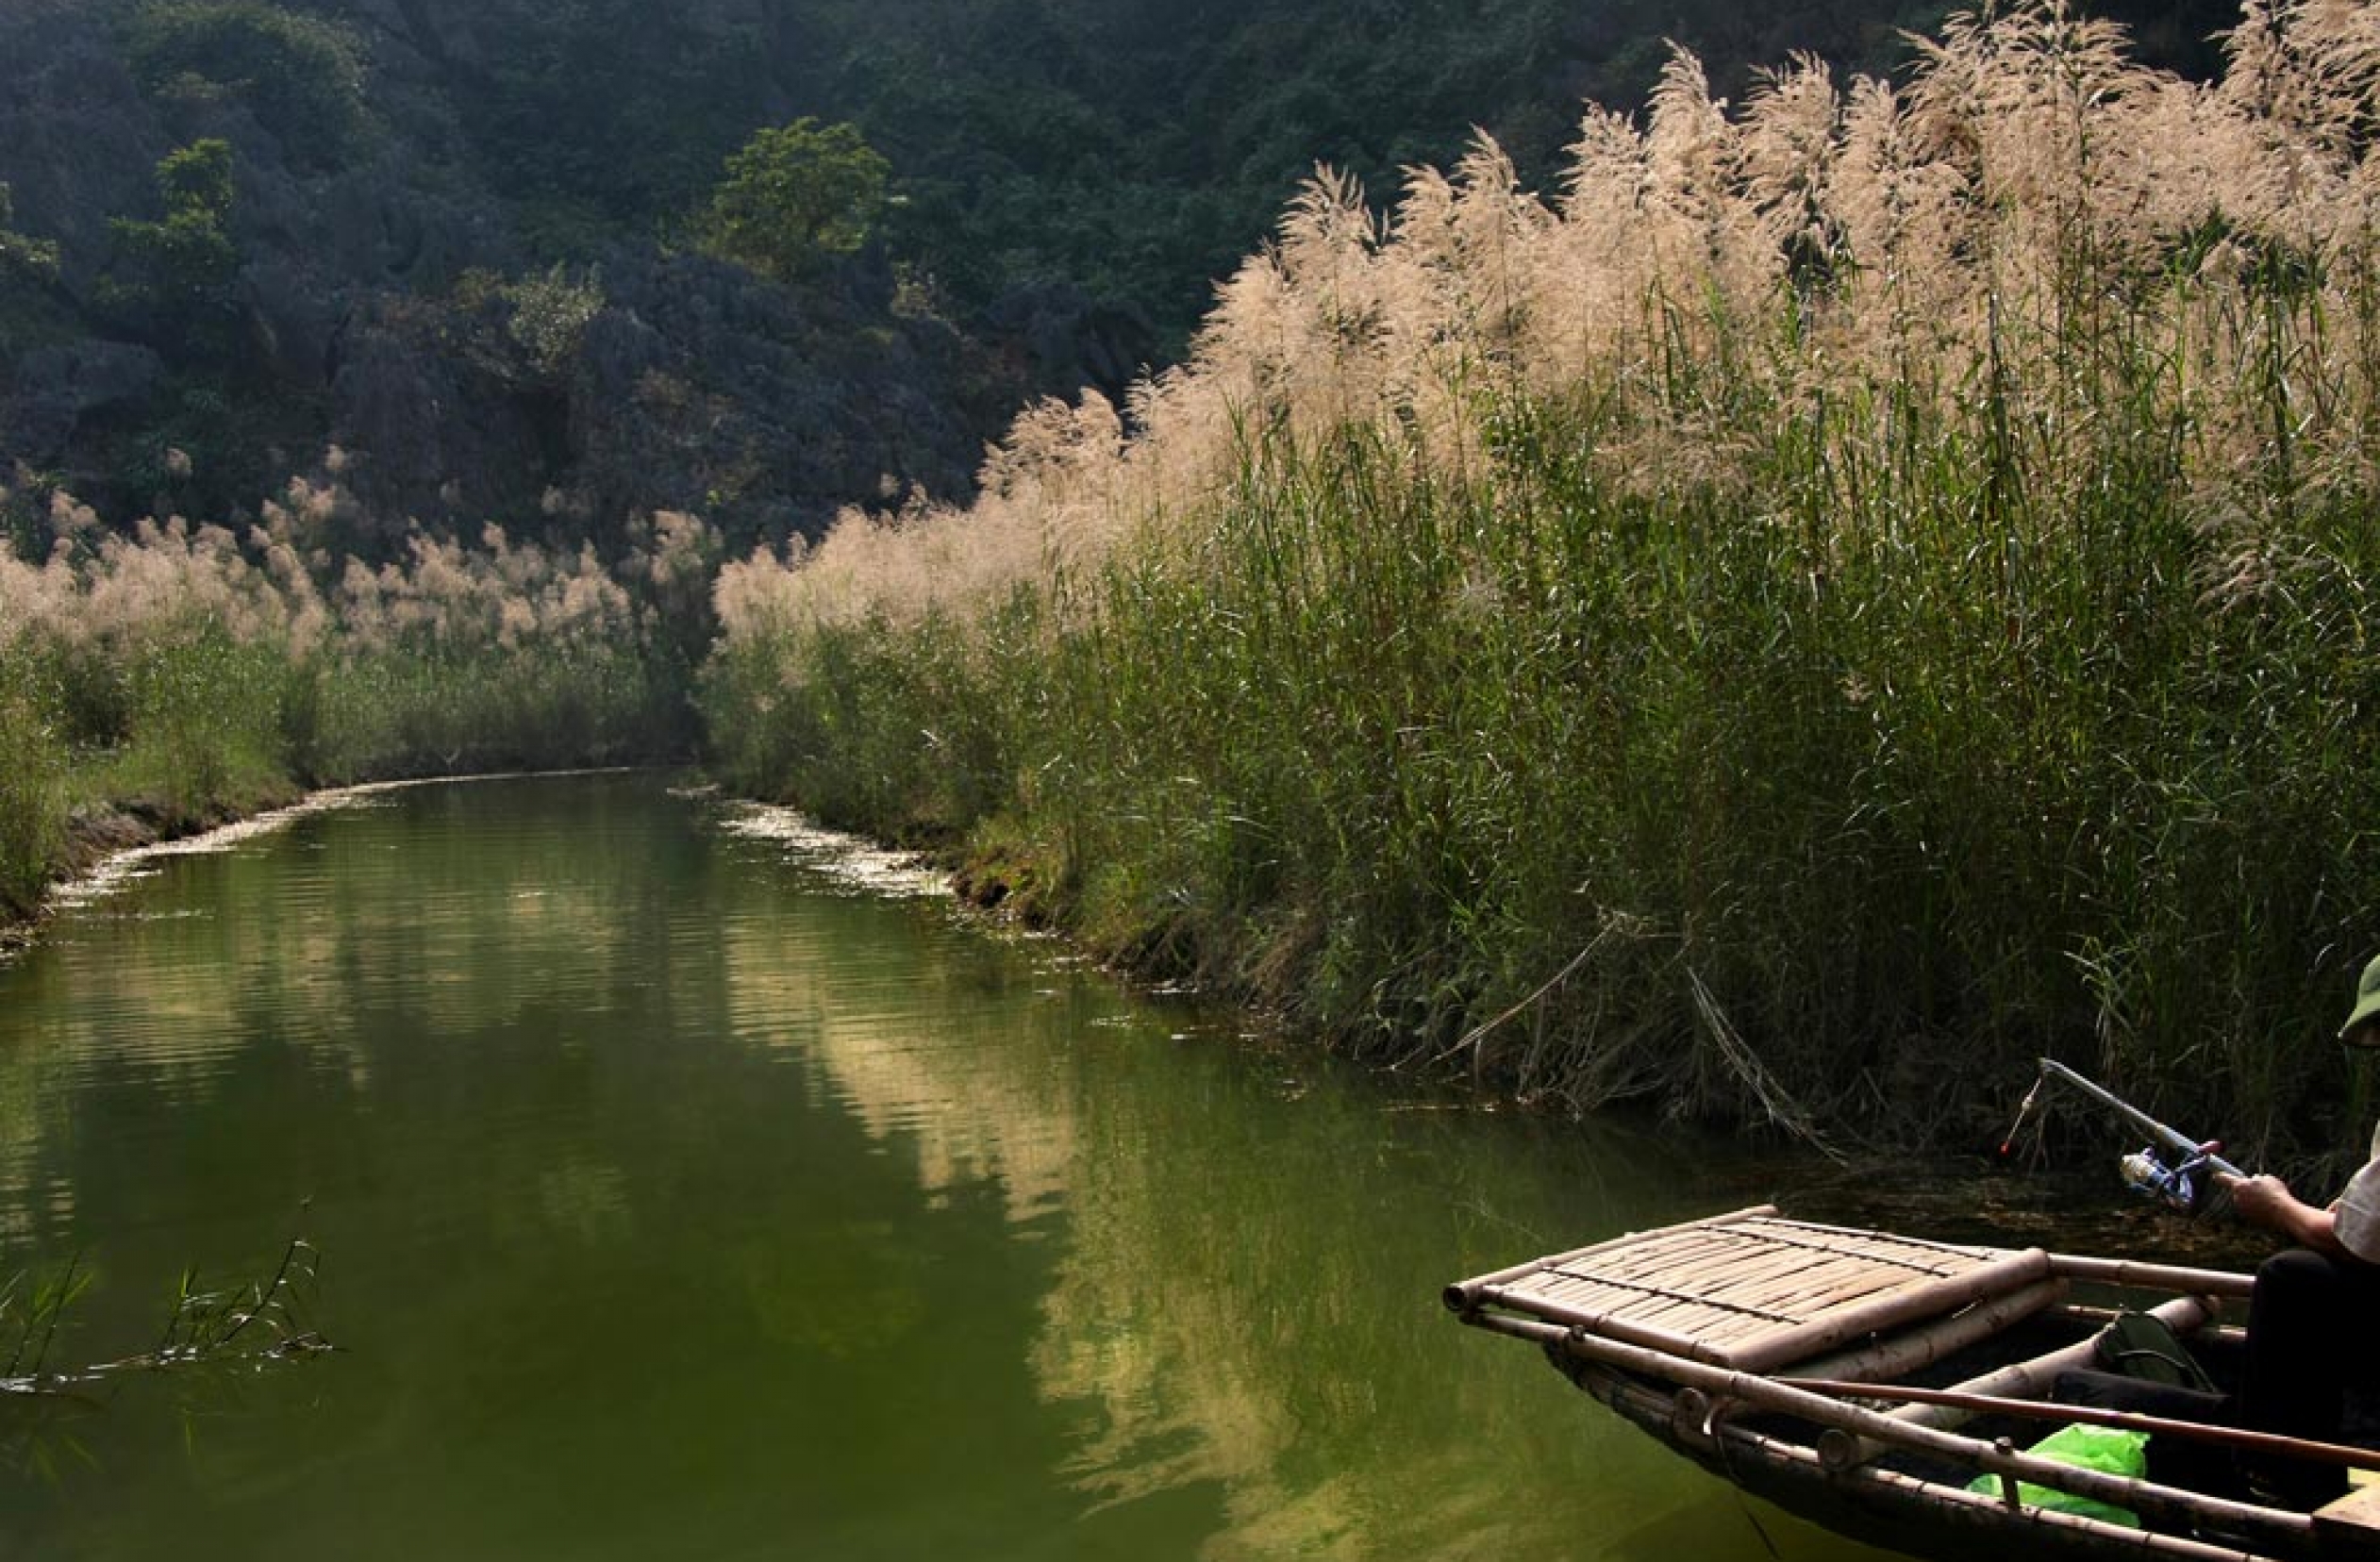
301	76
1140	149
605	118
191	675
1852	595
23	259
173	277
795	196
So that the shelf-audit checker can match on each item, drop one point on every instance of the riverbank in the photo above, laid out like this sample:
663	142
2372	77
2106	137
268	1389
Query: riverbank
107	842
1853	595
96	835
1594	799
179	675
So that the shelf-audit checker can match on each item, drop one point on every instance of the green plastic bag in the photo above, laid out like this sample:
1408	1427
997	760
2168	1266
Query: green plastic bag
2101	1447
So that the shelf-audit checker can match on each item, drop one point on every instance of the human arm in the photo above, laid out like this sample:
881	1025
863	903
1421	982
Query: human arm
2265	1200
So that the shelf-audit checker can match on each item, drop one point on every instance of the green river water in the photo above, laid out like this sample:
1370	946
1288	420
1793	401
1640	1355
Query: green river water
684	1193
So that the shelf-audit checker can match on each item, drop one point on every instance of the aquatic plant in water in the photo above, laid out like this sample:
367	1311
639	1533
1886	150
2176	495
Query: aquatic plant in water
245	1327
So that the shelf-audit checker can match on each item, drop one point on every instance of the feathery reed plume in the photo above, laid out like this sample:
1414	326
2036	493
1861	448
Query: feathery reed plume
1848	542
201	670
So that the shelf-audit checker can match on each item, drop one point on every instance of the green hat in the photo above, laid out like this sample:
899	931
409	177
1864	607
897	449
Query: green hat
2367	1007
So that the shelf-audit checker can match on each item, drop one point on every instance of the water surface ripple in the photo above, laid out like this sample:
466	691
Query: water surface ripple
685	1196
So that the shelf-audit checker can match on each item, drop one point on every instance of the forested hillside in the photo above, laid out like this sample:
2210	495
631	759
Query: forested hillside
464	242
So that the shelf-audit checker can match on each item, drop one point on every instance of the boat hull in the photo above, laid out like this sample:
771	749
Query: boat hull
1881	1507
1901	1391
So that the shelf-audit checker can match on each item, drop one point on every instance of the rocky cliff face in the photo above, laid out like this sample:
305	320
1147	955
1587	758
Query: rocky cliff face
372	315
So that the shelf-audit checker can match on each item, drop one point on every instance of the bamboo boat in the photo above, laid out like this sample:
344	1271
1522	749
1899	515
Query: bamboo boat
1891	1388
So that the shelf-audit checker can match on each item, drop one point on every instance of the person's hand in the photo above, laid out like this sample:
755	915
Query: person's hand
2264	1199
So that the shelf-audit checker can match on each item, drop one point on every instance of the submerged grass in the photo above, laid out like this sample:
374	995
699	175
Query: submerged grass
1848	598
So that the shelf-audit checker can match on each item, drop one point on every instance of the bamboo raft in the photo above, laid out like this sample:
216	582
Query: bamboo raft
1865	1380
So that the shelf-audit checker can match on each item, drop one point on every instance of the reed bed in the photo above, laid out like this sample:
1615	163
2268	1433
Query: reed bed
1839	598
191	675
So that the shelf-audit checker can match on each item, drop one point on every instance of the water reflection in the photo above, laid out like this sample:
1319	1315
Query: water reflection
680	1201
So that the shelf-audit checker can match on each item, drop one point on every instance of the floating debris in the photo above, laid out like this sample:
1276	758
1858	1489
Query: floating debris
848	860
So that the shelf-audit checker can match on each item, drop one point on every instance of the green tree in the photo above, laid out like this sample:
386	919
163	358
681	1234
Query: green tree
795	194
174	277
22	257
300	76
551	313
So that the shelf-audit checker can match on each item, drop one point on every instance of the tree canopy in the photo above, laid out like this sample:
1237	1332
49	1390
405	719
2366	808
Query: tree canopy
22	255
793	195
173	278
301	76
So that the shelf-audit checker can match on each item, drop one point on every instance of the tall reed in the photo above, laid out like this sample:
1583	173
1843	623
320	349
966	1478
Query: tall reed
32	802
191	672
1841	598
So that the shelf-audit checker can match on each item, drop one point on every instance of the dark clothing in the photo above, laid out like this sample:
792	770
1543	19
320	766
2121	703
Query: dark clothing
2174	1461
2313	1332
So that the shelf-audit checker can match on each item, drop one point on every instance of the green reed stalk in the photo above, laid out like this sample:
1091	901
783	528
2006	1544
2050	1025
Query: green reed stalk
32	799
1919	742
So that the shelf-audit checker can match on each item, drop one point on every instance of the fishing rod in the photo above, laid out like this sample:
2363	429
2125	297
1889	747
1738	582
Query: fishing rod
2166	1169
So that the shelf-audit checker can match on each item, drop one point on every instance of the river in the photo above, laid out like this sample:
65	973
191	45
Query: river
685	1188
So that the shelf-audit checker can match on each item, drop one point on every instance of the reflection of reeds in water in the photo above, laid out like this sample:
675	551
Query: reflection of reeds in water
1884	569
972	1094
1237	1309
1240	1288
895	1056
460	933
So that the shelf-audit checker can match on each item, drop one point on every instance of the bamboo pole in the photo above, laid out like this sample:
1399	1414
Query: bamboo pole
2142	1497
2125	1421
2164	1277
1835	1328
2083	1315
2032	1379
1913	1348
1463	1295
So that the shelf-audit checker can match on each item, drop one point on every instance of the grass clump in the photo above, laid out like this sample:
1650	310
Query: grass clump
1842	598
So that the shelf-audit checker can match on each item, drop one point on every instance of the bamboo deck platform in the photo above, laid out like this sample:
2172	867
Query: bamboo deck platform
1753	1293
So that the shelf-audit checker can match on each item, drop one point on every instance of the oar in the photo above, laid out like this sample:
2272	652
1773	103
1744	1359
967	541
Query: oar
2126	1421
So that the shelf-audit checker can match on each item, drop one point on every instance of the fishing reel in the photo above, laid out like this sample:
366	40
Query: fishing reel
2176	1183
2146	1173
